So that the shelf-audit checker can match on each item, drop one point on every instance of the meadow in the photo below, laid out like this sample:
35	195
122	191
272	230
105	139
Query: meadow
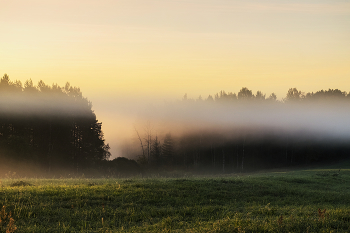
304	200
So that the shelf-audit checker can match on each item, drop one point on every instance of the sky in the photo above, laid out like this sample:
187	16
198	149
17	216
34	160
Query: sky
125	54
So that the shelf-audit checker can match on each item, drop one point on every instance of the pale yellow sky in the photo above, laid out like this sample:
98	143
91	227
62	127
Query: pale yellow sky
121	49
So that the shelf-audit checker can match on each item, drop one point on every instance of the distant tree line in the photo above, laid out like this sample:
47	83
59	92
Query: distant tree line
242	150
293	94
48	129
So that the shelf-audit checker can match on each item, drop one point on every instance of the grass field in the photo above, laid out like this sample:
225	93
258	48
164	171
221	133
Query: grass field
285	201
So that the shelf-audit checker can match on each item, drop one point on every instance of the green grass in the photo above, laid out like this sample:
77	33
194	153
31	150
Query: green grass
230	203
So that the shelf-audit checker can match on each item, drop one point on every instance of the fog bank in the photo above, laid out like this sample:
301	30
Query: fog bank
314	121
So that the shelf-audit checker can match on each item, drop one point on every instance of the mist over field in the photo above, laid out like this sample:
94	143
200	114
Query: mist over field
329	119
321	120
326	122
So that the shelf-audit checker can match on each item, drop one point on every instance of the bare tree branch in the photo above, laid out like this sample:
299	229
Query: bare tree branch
138	135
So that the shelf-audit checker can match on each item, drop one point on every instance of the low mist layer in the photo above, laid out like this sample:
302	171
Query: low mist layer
330	119
322	117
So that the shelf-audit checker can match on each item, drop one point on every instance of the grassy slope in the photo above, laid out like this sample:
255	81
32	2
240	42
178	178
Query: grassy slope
249	203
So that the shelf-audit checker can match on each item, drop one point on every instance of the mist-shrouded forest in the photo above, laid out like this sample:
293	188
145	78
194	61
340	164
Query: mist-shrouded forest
53	131
47	130
246	132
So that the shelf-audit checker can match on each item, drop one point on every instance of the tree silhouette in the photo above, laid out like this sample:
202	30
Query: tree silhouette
48	125
328	95
260	96
245	94
272	97
294	95
156	150
168	149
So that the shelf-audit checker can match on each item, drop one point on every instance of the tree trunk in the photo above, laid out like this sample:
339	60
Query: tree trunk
237	154
214	158
223	161
242	167
143	151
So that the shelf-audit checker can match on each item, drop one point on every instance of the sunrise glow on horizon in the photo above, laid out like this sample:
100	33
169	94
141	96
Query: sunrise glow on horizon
166	48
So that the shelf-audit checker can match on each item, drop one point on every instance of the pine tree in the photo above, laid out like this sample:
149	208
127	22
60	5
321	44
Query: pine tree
168	149
156	150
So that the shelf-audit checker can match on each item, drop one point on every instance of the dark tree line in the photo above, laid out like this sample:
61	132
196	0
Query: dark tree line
293	94
50	127
244	149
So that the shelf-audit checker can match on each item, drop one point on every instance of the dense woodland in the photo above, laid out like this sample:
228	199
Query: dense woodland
48	129
242	149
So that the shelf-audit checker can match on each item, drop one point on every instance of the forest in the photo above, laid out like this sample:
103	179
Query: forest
48	130
257	133
53	131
